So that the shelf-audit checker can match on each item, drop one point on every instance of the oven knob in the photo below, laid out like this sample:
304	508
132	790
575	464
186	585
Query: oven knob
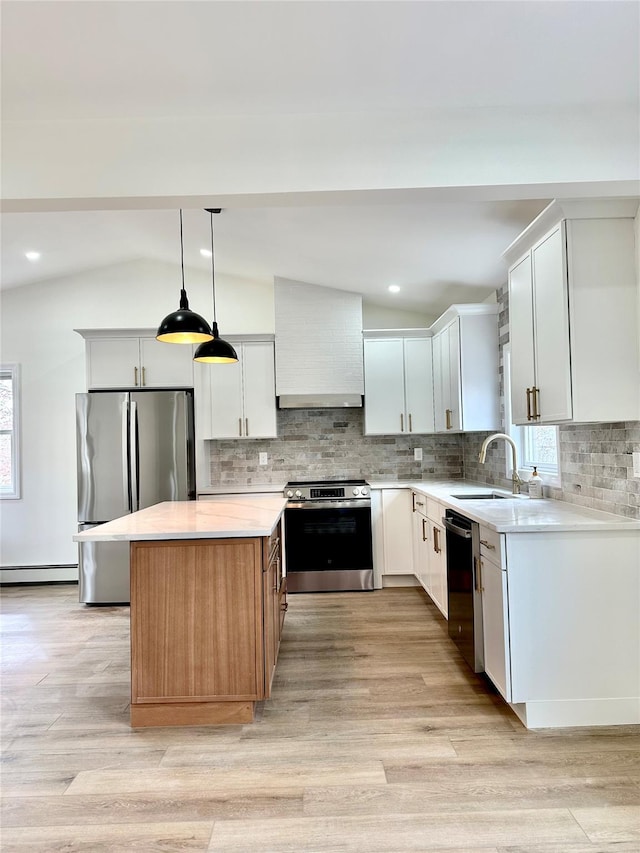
289	493
298	493
356	491
364	491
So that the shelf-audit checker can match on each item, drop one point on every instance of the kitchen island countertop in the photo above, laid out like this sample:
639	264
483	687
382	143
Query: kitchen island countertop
215	518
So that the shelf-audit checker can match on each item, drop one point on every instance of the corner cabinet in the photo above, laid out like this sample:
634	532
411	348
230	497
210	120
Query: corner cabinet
465	369
238	400
398	384
133	358
573	310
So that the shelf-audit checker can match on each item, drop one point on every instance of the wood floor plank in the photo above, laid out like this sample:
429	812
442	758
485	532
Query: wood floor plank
108	838
223	780
613	824
437	795
397	832
148	808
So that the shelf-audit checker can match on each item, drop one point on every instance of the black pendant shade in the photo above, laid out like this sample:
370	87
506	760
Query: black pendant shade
183	326
216	350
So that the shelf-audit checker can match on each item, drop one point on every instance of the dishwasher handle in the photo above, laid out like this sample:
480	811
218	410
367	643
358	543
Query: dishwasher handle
454	528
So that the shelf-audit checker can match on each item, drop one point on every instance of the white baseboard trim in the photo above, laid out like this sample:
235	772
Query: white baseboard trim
399	580
38	574
579	712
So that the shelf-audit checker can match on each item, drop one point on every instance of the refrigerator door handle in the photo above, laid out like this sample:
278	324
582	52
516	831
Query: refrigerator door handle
126	485
133	457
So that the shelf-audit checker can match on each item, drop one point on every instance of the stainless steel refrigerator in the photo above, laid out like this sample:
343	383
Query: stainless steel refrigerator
134	449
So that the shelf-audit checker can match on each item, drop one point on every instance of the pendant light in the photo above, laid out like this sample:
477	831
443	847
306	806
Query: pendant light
183	326
215	351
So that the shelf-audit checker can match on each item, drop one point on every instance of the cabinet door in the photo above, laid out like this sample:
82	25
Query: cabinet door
551	328
420	525
521	337
226	400
418	378
259	389
397	532
384	406
447	378
113	363
166	365
495	618
437	570
455	405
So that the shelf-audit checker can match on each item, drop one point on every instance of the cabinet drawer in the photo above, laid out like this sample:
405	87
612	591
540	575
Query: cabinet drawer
435	510
419	503
491	546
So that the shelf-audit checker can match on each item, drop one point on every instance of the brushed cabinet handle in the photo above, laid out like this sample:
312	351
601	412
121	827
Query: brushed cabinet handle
135	376
447	414
401	422
410	423
436	540
487	545
424	530
536	413
239	426
529	415
246	426
144	376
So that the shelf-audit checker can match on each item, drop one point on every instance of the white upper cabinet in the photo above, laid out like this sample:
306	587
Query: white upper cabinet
573	315
238	400
465	369
398	387
129	358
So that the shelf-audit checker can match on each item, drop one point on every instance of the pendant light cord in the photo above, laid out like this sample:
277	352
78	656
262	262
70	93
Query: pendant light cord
213	276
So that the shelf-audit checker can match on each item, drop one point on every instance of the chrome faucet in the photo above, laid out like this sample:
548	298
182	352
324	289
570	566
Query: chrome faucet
516	481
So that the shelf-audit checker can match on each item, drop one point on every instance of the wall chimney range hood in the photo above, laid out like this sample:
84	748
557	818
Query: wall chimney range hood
319	362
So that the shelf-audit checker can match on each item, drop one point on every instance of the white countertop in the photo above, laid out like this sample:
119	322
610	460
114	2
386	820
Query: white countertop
264	489
515	514
216	518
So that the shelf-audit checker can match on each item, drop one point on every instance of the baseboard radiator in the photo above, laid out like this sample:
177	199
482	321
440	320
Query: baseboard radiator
65	573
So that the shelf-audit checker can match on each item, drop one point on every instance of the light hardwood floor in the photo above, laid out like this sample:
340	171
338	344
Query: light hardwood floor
378	739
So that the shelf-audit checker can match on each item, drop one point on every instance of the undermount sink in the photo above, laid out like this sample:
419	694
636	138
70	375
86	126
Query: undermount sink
485	497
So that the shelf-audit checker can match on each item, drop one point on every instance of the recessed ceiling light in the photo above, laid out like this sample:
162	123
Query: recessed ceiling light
32	256
393	288
206	253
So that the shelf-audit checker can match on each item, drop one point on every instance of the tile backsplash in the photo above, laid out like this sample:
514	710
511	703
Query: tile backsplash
327	443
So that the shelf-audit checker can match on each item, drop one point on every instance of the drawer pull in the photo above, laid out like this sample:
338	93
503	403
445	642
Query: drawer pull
487	545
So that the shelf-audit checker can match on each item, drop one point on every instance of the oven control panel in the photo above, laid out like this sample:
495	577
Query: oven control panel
327	492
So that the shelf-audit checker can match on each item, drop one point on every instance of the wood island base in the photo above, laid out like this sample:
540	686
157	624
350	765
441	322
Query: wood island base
206	617
192	714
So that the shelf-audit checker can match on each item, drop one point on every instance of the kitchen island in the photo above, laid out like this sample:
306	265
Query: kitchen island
207	606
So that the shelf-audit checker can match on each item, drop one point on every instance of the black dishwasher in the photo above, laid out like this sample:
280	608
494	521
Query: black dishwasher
464	588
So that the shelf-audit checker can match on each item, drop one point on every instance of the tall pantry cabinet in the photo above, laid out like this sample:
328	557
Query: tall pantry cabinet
573	313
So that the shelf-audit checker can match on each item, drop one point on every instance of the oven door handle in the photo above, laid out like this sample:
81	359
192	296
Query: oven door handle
337	504
453	528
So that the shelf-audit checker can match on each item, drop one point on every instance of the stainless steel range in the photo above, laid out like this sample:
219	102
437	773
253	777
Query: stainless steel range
328	542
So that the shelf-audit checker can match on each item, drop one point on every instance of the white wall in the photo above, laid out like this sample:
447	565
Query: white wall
379	317
37	333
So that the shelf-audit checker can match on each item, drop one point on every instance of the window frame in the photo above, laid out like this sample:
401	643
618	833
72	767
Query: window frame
12	372
550	476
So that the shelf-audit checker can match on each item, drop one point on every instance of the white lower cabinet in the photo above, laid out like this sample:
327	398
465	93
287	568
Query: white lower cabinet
392	532
429	549
495	612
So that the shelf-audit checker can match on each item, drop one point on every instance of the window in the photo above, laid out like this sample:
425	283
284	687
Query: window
9	431
537	445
